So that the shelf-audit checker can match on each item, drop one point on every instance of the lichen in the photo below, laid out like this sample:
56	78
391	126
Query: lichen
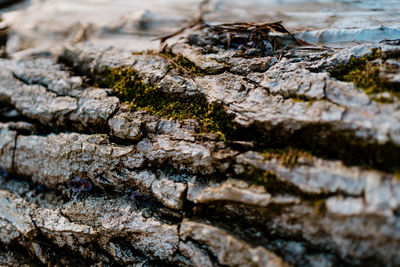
365	74
211	116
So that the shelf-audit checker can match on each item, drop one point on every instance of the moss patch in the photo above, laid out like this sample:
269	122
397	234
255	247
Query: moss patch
183	64
288	156
325	141
302	98
299	98
365	74
319	206
355	63
260	177
211	116
347	147
268	179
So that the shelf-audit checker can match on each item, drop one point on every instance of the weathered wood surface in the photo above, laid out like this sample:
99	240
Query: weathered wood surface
306	173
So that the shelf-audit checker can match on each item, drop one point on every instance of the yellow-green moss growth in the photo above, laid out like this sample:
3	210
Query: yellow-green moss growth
211	116
299	98
346	146
268	179
354	64
319	206
182	63
302	98
287	156
366	75
260	177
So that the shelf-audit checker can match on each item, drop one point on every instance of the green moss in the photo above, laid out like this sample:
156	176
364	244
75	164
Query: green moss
288	156
382	100
347	147
325	55
319	206
268	179
211	116
364	74
326	141
184	63
260	177
354	64
299	98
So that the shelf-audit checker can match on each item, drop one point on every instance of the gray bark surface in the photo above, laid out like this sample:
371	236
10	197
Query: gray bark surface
162	191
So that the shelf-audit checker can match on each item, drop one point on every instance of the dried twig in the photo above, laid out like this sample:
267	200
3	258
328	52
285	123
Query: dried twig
198	20
176	65
256	32
254	29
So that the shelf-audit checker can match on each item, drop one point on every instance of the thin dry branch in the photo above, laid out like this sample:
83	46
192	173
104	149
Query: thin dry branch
255	31
177	66
198	20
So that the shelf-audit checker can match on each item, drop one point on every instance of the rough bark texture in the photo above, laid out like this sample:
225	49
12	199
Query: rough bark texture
305	176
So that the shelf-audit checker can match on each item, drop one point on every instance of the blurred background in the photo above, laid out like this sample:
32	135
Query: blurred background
134	24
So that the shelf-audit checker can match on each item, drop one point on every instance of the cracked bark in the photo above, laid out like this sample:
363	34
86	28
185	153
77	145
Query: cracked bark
209	206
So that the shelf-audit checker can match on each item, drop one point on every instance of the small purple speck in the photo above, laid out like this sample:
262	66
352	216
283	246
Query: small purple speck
76	179
77	184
